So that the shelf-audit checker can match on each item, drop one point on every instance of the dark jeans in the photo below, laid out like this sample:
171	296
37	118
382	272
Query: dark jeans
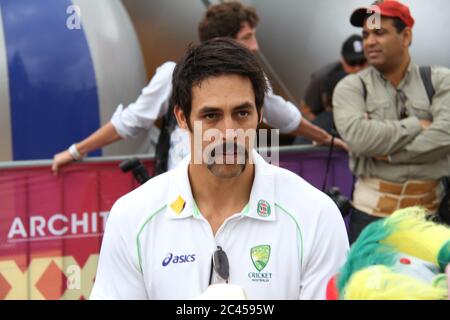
358	221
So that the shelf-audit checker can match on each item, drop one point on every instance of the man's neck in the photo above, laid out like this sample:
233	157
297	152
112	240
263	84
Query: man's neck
219	198
396	75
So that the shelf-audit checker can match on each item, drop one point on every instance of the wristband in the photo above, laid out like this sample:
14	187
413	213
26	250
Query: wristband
74	152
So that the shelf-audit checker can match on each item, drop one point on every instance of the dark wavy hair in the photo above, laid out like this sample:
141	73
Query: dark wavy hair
225	20
215	57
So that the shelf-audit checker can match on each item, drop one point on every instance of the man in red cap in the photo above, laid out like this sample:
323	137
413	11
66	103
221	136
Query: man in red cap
395	118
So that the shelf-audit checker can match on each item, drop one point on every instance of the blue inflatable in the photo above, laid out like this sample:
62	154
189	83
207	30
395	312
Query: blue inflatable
64	67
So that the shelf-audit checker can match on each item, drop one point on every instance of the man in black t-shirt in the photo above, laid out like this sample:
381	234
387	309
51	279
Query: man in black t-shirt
316	104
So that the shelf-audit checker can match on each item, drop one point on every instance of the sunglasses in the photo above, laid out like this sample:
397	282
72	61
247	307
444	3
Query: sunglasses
401	105
220	265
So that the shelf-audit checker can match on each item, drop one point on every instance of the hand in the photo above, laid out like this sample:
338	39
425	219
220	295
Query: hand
60	160
425	124
337	142
341	144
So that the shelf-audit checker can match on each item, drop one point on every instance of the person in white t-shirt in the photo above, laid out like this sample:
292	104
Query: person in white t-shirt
230	19
223	215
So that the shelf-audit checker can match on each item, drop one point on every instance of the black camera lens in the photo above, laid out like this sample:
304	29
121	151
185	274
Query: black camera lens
342	202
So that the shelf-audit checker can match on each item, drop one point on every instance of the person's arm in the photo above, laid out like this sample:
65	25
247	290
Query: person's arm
100	138
152	104
317	134
368	137
434	142
118	273
327	253
306	111
128	122
281	114
284	115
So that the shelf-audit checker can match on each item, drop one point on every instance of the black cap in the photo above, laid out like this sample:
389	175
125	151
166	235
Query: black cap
352	50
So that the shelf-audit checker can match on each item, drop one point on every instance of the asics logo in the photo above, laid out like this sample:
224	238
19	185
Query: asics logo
186	258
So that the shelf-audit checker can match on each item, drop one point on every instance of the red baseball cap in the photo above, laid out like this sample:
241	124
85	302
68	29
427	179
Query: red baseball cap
388	8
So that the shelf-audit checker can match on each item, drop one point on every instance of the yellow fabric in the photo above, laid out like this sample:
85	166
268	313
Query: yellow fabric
381	283
415	236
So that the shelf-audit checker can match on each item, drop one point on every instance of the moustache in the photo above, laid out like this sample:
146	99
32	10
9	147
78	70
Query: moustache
228	148
229	151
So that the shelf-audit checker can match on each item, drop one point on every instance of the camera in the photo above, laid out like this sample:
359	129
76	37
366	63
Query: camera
342	202
134	165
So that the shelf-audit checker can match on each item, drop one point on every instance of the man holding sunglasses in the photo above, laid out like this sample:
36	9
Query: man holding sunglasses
223	215
395	117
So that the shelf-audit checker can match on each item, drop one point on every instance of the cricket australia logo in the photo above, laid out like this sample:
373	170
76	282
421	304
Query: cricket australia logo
260	256
263	208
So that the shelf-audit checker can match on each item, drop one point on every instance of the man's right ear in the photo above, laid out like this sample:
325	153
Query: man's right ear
181	119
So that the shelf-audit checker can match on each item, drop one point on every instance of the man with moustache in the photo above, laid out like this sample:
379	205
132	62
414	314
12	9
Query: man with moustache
395	117
223	215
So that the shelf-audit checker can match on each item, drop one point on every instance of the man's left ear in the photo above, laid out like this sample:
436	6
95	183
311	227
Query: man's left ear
181	118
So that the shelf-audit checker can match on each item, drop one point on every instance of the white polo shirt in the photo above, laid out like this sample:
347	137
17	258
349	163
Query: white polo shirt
153	103
286	243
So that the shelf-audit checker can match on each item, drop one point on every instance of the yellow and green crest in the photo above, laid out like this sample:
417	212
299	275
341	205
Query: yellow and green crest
260	256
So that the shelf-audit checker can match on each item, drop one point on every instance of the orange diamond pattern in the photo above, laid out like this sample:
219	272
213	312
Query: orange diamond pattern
52	283
5	287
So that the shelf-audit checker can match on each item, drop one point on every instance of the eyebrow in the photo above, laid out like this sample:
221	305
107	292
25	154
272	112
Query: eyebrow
243	106
204	110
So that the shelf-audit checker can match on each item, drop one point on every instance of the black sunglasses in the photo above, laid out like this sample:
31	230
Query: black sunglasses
401	105
219	264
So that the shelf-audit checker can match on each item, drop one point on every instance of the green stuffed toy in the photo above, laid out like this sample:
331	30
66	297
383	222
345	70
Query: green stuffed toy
400	257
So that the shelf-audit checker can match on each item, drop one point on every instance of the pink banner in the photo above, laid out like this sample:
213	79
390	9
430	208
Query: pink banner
51	227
